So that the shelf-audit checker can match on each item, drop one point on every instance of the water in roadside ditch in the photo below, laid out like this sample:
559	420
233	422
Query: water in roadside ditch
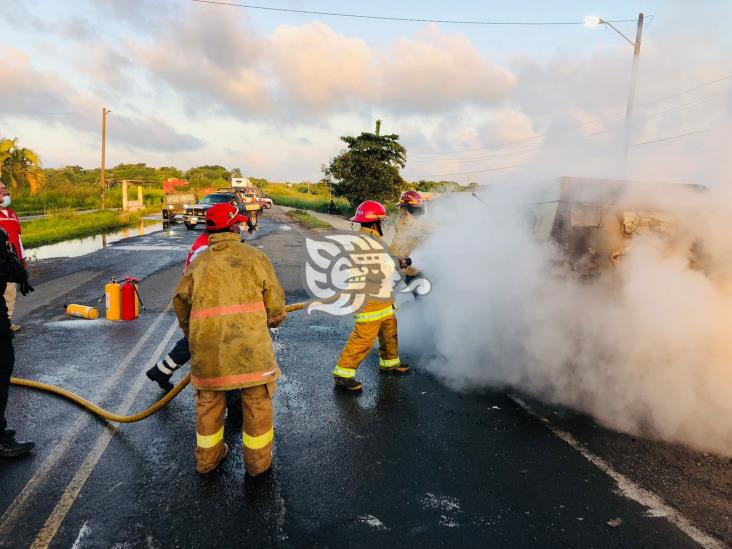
88	244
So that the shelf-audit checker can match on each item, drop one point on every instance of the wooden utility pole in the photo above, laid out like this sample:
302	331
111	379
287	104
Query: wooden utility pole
103	176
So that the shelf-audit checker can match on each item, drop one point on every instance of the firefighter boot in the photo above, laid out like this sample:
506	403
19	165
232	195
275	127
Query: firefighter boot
348	383
162	379
10	448
395	370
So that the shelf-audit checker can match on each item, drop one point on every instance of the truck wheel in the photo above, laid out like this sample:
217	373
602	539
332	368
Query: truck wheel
190	226
268	205
253	219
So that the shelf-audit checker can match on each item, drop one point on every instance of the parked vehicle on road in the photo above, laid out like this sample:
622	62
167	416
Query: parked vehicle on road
252	203
174	204
196	213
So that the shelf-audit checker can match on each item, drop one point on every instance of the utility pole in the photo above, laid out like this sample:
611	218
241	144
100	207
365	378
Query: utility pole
103	176
595	21
631	93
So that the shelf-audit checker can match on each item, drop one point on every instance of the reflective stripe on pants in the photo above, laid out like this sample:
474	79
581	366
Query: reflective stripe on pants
209	441
362	340
373	316
257	442
389	363
339	371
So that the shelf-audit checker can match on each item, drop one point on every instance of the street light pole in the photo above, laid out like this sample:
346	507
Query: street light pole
103	176
594	21
631	93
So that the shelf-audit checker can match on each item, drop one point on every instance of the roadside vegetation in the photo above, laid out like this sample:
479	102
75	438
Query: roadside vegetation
304	196
309	220
369	168
66	224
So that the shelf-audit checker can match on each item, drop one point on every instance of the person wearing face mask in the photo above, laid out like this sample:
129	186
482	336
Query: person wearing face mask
10	223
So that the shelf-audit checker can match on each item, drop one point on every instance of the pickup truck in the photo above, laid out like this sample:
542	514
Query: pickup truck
251	198
196	213
174	204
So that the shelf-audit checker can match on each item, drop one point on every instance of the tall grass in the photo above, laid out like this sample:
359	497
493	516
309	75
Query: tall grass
298	197
65	224
308	220
80	197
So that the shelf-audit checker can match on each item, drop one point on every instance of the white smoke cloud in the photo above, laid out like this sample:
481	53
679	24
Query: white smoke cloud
645	349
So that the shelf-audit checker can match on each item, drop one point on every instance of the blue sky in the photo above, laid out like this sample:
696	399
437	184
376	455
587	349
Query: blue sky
270	92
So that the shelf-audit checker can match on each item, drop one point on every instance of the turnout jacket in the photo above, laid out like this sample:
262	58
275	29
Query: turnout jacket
225	303
410	231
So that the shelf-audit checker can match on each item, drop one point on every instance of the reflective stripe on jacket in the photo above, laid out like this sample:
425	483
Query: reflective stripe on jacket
225	302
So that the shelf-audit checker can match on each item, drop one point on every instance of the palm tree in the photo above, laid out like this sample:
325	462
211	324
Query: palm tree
19	166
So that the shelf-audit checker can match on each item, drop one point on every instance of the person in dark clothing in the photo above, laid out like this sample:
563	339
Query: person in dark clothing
11	270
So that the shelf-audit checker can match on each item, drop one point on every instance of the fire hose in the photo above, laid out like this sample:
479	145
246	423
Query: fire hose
110	416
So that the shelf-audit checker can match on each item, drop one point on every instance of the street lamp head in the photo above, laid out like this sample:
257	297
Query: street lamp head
593	21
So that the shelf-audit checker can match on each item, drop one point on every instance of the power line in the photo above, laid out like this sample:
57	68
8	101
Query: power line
409	19
482	158
704	85
477	171
14	111
689	104
599	119
672	137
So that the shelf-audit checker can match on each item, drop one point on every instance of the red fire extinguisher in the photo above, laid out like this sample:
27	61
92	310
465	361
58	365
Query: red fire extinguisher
130	298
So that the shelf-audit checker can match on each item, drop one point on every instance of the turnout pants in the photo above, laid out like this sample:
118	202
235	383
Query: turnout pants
7	361
362	340
258	428
11	294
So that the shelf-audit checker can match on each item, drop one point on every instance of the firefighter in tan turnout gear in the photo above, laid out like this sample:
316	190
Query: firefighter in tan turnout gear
410	230
226	302
374	320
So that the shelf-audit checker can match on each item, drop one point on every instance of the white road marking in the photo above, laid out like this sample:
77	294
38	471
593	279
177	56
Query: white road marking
67	499
83	531
27	496
655	505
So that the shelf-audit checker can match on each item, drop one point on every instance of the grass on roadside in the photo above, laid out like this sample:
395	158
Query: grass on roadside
80	197
308	220
65	224
293	198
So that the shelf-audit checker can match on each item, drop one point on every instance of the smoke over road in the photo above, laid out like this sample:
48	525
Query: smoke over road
646	348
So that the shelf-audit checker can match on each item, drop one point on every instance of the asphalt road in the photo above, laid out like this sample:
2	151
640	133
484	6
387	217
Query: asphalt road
408	463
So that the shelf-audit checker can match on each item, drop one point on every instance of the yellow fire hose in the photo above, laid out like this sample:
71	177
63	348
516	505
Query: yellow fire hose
109	416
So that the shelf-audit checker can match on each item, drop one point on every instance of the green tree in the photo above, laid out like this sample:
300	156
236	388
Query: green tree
236	172
369	168
21	167
208	176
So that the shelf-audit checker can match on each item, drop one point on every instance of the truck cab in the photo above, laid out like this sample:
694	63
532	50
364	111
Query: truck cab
196	213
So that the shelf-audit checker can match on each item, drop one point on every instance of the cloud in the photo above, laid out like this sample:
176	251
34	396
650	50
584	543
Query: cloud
316	67
311	70
435	71
45	96
209	61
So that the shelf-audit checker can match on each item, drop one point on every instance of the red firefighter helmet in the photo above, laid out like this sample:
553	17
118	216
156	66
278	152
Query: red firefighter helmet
410	198
369	211
222	216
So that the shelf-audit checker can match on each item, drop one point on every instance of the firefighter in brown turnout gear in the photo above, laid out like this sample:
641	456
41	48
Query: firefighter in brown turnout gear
226	302
374	320
410	230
